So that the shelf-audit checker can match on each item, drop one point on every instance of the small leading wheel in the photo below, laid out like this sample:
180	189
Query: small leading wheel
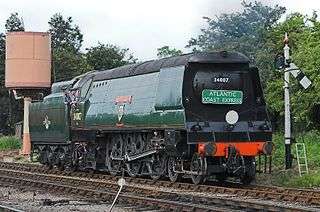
173	176
199	166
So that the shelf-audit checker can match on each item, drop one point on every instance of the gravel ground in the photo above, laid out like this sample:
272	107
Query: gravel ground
228	196
27	201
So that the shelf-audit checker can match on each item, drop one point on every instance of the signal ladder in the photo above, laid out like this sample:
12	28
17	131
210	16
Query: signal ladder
302	159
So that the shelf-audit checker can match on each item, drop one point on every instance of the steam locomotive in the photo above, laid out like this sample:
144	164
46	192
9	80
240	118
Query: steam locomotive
198	115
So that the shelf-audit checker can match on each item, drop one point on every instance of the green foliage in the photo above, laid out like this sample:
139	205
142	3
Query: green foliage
67	64
311	141
107	56
9	143
66	39
245	32
311	180
279	151
291	177
14	23
304	35
241	31
2	58
166	51
64	34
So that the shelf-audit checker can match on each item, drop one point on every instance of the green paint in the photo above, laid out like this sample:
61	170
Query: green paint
49	120
156	100
221	96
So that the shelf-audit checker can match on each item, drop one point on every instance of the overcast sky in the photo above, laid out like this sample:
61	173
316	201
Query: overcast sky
140	25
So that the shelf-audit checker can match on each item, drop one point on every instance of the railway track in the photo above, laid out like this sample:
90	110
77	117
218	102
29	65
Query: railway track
180	196
4	208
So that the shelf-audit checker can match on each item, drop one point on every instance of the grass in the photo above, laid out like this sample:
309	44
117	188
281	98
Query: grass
291	178
311	180
9	143
312	143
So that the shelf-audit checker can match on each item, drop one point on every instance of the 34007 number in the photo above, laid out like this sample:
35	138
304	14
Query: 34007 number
220	79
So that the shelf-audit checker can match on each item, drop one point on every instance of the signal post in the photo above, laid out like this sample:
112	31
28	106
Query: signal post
284	63
287	115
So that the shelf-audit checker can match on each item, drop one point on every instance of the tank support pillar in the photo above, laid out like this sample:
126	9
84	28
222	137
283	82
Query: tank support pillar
26	145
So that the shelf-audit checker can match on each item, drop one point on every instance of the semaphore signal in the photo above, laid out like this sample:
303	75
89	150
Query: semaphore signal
284	63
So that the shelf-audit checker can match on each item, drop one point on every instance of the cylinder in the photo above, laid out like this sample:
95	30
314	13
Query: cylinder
28	60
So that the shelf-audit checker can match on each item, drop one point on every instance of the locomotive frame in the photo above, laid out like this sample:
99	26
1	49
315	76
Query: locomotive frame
148	119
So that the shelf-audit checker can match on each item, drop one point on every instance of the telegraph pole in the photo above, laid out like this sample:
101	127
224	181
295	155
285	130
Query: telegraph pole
287	115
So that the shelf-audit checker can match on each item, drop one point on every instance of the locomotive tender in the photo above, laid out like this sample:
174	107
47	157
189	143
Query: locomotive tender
197	115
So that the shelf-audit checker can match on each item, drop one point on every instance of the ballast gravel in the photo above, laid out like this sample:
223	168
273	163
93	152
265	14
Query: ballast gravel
36	201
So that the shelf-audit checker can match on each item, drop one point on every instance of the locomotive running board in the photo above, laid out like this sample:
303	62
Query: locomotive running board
142	155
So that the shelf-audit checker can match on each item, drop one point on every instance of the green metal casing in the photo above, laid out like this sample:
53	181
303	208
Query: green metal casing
156	101
49	120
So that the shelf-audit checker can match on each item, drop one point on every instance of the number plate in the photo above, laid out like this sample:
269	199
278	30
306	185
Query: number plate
222	97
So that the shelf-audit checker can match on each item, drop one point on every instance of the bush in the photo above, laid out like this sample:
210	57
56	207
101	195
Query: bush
9	143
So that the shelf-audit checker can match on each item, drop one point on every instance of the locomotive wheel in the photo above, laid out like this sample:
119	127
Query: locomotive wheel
199	165
157	167
173	176
114	166
134	145
49	156
133	168
250	171
62	159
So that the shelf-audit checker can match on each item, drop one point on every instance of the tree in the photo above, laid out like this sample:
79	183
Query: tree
242	31
107	56
14	23
304	35
64	34
2	59
166	51
67	64
66	39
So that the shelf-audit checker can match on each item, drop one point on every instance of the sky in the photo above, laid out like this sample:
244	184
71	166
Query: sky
140	25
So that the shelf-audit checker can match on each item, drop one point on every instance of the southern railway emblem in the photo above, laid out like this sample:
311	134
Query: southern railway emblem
120	102
120	112
46	122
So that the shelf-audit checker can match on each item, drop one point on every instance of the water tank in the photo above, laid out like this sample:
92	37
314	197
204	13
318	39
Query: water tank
28	60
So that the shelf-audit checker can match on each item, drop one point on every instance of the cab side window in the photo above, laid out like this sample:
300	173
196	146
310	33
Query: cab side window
85	89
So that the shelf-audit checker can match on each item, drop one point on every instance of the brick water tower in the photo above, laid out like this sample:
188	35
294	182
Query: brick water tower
28	71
